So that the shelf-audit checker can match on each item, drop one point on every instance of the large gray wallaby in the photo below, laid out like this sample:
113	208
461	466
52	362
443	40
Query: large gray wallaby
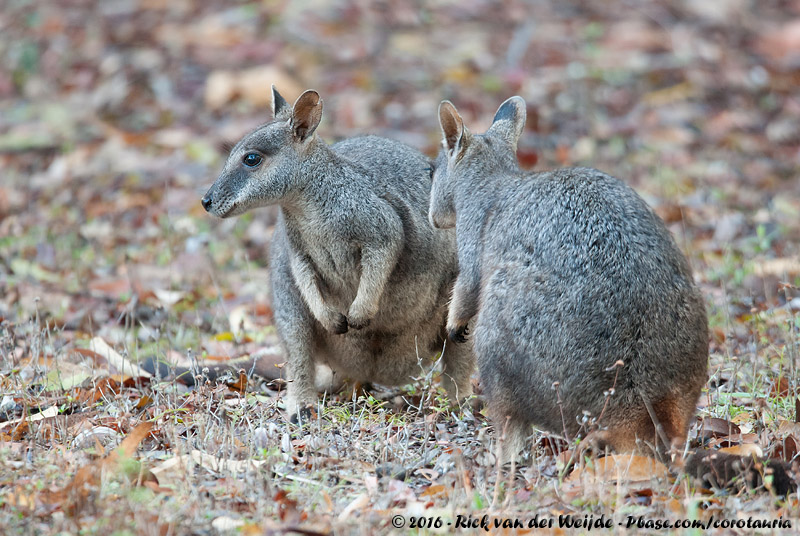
360	280
587	320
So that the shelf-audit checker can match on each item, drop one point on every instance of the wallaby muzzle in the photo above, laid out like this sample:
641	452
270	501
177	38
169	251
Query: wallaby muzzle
207	202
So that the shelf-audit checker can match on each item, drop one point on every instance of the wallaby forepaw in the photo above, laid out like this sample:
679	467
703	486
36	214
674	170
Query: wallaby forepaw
359	317
340	325
458	334
358	324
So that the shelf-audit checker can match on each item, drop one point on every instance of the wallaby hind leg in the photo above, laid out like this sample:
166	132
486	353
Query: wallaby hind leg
511	434
301	390
294	323
459	362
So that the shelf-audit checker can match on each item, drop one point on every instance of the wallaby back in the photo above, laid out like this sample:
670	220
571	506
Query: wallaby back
360	281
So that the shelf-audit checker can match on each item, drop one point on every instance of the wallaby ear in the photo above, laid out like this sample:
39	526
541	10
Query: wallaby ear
453	129
509	120
306	114
279	105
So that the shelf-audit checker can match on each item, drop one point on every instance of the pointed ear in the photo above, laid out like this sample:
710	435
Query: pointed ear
509	121
306	114
280	107
453	129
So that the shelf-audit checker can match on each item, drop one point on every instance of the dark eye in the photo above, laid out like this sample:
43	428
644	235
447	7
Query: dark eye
251	159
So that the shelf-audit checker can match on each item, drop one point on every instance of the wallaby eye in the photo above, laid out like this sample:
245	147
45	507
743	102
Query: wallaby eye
251	159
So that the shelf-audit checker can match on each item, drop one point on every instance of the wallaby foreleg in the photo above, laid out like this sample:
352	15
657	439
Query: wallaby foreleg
464	304
377	264
306	279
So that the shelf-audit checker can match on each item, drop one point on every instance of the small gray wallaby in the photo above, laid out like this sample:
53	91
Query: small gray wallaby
587	319
360	280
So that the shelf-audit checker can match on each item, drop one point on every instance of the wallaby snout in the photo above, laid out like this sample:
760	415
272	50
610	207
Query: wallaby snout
221	199
207	202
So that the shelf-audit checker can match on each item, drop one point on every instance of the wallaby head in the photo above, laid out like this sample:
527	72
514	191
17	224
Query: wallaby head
472	155
264	167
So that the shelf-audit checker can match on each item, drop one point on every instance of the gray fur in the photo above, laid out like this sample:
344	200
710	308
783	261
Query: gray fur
566	272
360	281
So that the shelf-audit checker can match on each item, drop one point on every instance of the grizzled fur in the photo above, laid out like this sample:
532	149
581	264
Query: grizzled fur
360	281
567	272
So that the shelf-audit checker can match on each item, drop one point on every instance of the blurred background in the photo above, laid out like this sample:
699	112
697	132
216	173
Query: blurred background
113	114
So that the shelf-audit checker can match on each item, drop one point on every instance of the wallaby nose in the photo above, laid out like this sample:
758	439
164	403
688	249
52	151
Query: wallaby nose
206	201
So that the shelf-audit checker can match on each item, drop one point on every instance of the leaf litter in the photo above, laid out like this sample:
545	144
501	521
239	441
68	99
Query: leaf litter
113	281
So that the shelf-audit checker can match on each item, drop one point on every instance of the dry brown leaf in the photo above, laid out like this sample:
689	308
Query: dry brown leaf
745	449
103	387
780	388
786	449
240	385
435	490
714	427
287	508
130	443
143	402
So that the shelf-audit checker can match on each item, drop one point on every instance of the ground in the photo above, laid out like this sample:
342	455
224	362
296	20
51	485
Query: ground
113	119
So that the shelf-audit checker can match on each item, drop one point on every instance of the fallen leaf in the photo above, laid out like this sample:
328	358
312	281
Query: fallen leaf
124	366
714	427
240	385
786	449
745	449
435	490
359	503
780	387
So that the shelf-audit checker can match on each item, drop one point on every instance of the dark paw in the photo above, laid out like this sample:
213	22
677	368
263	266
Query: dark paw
306	414
341	326
358	325
458	335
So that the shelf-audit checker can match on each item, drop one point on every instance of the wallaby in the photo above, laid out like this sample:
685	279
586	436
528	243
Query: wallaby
360	281
587	319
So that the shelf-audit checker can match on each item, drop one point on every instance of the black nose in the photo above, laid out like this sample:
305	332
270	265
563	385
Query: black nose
206	201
